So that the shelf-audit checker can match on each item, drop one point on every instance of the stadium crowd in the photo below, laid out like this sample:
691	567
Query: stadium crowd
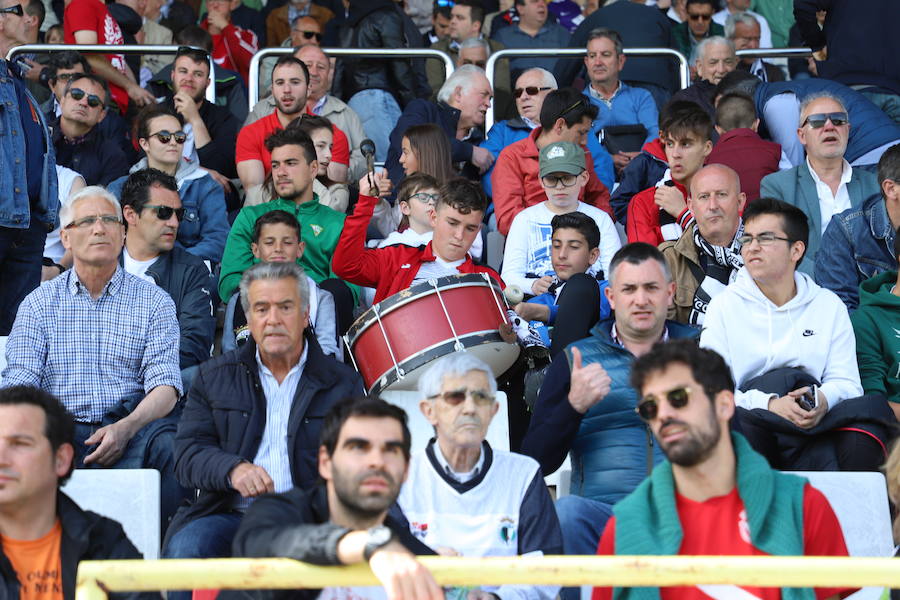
702	282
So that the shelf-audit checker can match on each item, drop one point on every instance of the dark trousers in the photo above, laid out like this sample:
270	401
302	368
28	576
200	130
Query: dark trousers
21	251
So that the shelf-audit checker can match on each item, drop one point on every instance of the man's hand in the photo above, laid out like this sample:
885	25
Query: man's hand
540	286
34	72
251	480
810	418
589	385
378	186
139	95
186	106
403	577
533	312
111	442
220	179
482	158
670	200
217	20
821	54
621	159
507	333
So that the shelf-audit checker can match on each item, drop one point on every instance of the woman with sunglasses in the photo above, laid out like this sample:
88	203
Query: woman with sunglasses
204	227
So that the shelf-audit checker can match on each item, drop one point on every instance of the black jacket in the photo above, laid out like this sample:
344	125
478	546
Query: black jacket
295	525
225	415
374	24
85	536
98	159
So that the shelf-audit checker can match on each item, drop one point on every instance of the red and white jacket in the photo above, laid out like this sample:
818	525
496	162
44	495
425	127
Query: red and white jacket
234	48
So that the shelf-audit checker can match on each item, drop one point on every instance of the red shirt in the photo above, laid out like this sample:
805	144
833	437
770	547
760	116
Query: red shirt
251	142
718	527
643	217
91	15
233	48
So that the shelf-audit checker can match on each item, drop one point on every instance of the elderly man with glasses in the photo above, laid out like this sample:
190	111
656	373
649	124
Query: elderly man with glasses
464	497
105	342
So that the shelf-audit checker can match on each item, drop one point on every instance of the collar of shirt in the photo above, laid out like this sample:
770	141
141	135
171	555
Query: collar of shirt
614	334
112	286
846	173
454	45
317	109
294	13
607	101
460	477
531	124
296	370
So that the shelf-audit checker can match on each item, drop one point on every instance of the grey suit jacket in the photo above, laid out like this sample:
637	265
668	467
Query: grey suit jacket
796	186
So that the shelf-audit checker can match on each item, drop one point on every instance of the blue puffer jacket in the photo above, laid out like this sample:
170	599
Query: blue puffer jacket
612	450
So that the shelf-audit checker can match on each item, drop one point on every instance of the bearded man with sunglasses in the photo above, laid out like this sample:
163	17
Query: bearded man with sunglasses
714	495
79	142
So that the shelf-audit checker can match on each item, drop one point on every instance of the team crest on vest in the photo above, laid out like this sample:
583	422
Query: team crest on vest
507	531
420	530
317	229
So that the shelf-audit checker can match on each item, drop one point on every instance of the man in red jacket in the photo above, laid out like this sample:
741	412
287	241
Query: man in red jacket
233	46
456	220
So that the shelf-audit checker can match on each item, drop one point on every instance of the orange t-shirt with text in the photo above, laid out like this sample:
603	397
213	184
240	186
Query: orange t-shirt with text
37	565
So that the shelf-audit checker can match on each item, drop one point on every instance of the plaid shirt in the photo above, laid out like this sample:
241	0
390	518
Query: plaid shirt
92	354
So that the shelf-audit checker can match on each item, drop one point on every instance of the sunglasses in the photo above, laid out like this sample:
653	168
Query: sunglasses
699	17
457	397
818	120
648	407
308	35
12	10
93	100
530	90
165	136
164	213
88	222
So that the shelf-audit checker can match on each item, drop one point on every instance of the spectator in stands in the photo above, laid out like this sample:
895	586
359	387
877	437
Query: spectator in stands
56	258
527	257
304	30
740	146
707	256
590	405
859	243
743	30
29	196
334	194
440	24
294	167
205	226
712	476
18	27
475	51
153	33
617	103
793	338
661	212
233	46
532	30
280	21
363	460
153	212
235	456
778	14
713	58
566	116
733	8
466	20
461	105
825	184
698	27
89	22
474	487
123	382
45	533
276	238
456	221
79	144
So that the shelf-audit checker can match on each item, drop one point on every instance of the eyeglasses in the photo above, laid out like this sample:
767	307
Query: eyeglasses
93	100
764	239
530	90
648	407
165	136
551	181
13	10
87	222
699	17
308	35
457	397
817	121
164	213
425	198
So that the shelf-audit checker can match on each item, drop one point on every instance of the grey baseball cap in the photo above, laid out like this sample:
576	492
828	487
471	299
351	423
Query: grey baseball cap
561	157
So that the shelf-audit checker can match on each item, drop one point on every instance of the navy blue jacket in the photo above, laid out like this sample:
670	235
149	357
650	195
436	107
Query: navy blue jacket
98	159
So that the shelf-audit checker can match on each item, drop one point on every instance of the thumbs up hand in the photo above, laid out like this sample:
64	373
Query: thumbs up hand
589	384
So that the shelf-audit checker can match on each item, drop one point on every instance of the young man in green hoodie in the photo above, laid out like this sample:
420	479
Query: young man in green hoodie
876	324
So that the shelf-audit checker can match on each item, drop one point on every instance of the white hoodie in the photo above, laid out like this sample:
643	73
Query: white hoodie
812	331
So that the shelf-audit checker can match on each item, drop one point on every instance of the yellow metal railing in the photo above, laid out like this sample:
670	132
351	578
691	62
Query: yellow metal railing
98	578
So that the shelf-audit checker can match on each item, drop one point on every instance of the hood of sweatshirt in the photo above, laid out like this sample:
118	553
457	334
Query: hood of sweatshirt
656	149
188	170
876	291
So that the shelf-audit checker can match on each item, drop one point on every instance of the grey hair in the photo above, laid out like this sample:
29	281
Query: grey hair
274	271
610	34
458	364
547	78
744	18
475	42
67	212
700	48
810	98
463	77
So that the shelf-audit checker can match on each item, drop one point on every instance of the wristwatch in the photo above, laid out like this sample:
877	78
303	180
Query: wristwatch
378	537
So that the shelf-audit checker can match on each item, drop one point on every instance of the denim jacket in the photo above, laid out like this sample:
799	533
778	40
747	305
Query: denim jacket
15	207
858	244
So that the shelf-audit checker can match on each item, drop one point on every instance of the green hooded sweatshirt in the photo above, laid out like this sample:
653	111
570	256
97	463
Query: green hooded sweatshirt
876	324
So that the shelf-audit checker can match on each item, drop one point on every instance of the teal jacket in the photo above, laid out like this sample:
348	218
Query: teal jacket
876	324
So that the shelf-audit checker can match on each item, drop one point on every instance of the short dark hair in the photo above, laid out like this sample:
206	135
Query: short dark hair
735	110
193	35
585	225
90	77
889	165
366	406
136	189
687	118
152	111
292	136
609	34
413	182
442	10
568	104
708	368
712	3
737	81
197	55
290	59
793	220
636	253
308	123
35	8
463	195
476	10
59	426
275	217
66	59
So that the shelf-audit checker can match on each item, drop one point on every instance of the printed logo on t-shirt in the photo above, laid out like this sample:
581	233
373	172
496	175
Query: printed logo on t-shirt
420	530
507	531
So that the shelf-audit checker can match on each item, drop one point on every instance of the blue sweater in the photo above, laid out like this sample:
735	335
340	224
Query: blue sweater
629	106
